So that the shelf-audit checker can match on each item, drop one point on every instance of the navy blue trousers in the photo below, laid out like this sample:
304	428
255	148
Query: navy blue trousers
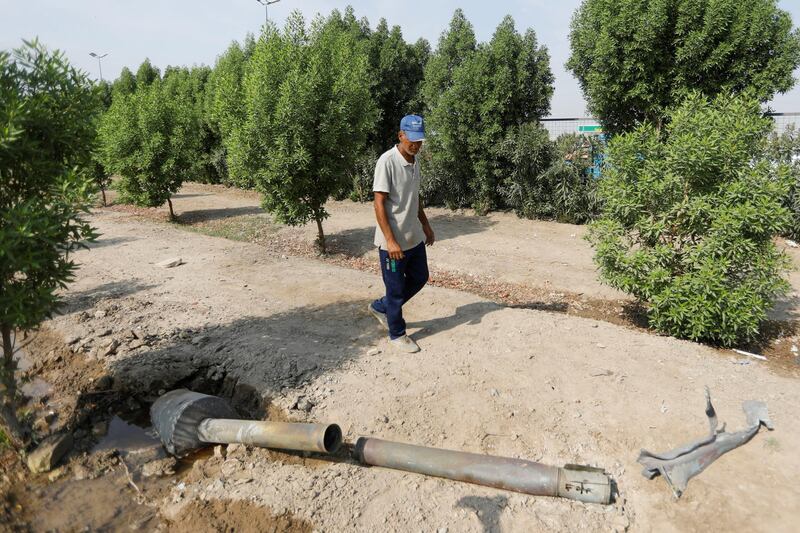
403	279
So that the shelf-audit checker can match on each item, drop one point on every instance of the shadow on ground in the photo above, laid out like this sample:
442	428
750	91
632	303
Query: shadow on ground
466	314
181	196
454	225
787	309
354	242
114	241
359	241
488	510
75	302
252	359
206	215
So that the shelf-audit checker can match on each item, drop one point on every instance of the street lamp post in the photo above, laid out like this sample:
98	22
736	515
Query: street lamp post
99	63
266	4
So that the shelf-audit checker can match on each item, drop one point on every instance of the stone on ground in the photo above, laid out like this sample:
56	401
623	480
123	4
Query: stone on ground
49	452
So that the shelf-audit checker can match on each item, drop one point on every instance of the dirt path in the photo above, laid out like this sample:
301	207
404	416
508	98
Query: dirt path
490	379
500	245
536	253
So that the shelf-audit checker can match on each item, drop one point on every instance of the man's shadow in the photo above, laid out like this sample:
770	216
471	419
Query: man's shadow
466	314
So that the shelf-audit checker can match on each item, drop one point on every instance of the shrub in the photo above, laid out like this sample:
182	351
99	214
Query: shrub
550	180
362	175
688	220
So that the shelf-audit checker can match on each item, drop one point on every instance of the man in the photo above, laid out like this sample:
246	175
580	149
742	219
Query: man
402	231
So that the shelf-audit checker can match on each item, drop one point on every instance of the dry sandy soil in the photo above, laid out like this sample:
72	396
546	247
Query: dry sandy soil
288	334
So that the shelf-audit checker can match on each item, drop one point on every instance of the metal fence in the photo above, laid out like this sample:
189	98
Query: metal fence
590	126
784	120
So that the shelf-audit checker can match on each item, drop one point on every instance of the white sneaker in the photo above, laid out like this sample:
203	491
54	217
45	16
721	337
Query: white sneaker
405	344
380	316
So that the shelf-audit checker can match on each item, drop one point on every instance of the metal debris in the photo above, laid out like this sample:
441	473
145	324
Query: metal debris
576	482
678	466
186	421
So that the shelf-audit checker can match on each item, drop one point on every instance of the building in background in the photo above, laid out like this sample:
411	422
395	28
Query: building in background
590	126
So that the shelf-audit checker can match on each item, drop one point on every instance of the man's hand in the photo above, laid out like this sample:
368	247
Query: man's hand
395	252
430	238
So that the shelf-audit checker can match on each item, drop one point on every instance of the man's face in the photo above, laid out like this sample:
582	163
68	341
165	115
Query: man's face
407	146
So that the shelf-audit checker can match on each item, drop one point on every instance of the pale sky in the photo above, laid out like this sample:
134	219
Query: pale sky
183	32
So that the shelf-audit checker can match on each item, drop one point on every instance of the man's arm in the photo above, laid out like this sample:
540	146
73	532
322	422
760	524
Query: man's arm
395	252
430	238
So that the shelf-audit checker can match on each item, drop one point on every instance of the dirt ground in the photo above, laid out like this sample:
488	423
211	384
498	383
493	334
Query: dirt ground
532	358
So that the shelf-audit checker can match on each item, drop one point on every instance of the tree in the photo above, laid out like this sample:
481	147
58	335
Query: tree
94	169
455	45
227	109
636	59
146	75
186	89
490	92
211	163
148	139
97	174
125	84
688	220
309	111
46	131
398	69
105	93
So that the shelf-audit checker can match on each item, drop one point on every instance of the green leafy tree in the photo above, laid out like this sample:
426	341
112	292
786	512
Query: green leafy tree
396	73
636	59
46	132
211	163
784	149
125	84
148	139
273	57
456	44
186	89
688	220
227	110
309	111
398	69
146	75
94	169
95	172
494	90
104	91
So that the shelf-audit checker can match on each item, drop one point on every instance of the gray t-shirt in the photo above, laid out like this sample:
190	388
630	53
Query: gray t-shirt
400	179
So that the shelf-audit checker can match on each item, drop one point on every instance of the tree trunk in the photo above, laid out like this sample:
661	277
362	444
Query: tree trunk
320	235
9	423
171	212
103	190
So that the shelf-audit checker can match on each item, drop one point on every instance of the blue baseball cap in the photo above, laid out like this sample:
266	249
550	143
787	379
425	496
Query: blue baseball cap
414	127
